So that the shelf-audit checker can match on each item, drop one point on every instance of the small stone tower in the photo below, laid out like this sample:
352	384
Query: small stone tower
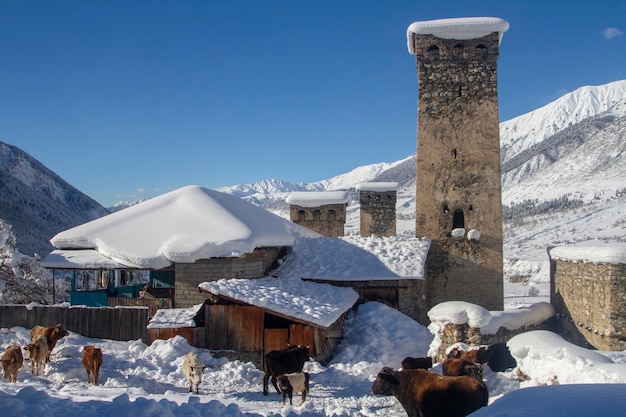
458	198
323	212
378	208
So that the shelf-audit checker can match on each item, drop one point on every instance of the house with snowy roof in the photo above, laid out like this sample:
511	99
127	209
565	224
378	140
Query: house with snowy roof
165	247
212	251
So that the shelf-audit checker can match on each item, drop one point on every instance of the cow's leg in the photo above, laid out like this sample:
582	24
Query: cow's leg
275	384
265	378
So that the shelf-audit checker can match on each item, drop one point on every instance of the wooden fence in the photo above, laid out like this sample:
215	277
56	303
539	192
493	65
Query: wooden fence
118	323
153	304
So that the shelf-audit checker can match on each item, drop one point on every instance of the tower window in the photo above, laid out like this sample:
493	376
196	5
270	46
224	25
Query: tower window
301	215
433	52
458	220
457	51
481	51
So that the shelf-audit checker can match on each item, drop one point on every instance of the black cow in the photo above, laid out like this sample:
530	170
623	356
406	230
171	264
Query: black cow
417	363
500	358
286	361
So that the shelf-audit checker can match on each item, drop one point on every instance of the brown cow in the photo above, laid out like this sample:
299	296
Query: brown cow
460	367
37	352
12	361
92	360
52	335
426	394
480	355
497	356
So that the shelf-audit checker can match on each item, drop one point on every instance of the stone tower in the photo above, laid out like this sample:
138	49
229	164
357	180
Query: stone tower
323	212
378	208
458	198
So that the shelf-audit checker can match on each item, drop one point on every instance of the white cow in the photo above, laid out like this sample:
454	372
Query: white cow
192	369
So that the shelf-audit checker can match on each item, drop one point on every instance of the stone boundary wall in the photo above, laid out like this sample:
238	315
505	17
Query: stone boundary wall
463	333
590	303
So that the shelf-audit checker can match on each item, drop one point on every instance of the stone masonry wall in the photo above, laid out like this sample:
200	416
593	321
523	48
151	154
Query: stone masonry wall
590	303
378	213
249	266
463	333
327	220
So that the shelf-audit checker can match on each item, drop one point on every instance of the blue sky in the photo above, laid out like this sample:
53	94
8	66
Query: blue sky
130	99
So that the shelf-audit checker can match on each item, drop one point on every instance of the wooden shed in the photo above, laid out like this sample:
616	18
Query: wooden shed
247	328
186	322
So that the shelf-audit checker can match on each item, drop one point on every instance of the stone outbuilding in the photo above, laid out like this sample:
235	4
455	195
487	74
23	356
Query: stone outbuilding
378	208
588	292
321	211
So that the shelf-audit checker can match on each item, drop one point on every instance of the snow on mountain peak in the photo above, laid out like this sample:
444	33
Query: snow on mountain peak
524	131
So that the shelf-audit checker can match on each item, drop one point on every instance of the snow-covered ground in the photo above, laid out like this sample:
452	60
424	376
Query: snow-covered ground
142	380
137	379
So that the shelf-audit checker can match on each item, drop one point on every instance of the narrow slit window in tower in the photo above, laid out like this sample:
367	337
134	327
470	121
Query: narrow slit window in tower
458	220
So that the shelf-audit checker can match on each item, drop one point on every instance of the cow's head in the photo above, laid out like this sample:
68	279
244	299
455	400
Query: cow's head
59	332
283	383
385	382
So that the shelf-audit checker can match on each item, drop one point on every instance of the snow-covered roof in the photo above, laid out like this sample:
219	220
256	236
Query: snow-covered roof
457	28
377	186
73	259
175	317
182	226
317	304
594	251
316	198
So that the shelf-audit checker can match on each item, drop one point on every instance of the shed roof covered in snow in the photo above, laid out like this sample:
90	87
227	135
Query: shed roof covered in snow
319	305
456	28
316	198
182	226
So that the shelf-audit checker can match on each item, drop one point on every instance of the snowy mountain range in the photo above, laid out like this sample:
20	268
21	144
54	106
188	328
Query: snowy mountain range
563	175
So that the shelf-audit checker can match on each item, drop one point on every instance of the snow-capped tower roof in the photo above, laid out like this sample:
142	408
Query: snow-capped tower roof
457	28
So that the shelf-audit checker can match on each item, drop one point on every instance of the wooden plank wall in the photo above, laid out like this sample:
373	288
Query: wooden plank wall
187	332
98	322
234	327
275	339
